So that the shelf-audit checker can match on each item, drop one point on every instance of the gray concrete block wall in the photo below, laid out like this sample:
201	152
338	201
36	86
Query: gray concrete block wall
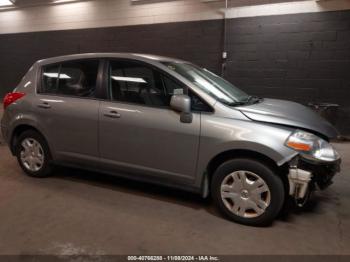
301	57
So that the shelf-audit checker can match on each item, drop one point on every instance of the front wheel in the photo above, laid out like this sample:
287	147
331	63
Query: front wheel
247	191
33	154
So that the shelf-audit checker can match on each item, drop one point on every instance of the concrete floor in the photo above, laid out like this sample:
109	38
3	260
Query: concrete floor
78	212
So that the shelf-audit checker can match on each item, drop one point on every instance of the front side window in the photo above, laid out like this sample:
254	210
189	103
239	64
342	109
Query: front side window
138	83
76	78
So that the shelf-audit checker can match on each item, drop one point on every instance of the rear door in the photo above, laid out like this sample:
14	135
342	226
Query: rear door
68	110
139	131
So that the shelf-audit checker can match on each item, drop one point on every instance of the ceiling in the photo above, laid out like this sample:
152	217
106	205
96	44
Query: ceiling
20	3
231	3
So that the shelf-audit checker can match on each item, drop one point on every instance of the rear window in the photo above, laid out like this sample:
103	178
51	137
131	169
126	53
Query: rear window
74	78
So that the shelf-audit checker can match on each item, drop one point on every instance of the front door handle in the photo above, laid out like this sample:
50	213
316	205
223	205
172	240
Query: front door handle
112	114
44	105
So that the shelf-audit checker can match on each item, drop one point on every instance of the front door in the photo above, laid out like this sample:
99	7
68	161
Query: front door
138	131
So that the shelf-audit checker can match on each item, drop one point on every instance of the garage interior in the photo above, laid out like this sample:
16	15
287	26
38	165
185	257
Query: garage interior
294	50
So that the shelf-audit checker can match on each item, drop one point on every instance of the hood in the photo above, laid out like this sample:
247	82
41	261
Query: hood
288	113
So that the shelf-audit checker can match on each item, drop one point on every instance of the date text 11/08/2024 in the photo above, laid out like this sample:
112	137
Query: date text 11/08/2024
173	258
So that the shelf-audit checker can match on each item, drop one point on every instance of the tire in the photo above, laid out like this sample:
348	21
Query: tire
35	160
259	197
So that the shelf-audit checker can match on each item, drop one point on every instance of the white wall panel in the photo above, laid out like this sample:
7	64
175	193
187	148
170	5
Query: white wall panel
106	13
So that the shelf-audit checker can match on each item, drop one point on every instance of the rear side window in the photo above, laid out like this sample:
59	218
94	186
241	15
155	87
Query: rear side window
50	79
76	78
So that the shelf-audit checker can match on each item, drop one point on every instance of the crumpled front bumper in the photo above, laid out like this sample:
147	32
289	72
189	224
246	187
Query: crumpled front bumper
305	175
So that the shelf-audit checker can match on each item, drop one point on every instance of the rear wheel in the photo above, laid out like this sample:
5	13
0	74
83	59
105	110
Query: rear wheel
33	154
247	191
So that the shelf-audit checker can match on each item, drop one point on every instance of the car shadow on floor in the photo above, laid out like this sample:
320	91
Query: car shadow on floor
133	187
175	196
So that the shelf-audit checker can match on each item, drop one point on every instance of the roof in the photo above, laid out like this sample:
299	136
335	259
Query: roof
143	57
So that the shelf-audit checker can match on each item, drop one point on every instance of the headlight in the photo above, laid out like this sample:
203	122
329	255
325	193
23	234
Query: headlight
311	146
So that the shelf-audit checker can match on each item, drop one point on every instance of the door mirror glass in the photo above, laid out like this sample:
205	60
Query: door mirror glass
182	104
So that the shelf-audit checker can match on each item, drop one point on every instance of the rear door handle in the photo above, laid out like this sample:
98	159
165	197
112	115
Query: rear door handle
112	114
44	105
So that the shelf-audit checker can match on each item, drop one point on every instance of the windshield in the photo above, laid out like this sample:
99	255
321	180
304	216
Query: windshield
210	83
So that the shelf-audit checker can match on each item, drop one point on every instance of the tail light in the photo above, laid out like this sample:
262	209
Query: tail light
11	98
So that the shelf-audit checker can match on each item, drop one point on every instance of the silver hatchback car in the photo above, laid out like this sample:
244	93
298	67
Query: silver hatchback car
167	121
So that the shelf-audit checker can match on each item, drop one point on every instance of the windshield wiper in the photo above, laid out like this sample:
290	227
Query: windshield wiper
249	100
253	99
236	103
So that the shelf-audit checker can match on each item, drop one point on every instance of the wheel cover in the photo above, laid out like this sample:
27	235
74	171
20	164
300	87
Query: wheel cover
245	194
32	155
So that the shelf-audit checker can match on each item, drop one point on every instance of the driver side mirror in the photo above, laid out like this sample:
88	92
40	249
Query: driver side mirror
182	104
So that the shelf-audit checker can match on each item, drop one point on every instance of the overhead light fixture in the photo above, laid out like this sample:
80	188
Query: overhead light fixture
129	79
55	75
5	3
63	1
